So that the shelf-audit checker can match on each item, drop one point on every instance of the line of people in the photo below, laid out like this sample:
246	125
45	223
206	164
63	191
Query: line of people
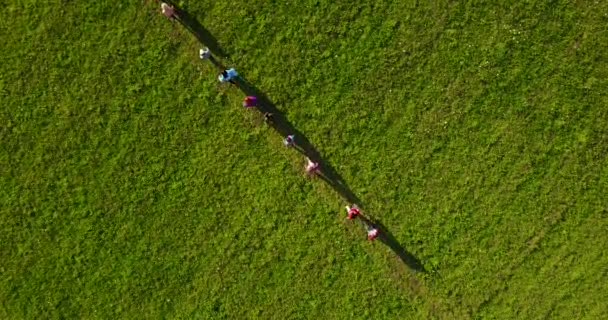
312	168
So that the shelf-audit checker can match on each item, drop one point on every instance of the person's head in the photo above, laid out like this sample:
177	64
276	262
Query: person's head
225	73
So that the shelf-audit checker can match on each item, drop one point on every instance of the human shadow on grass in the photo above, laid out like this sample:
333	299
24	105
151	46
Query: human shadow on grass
196	28
217	63
280	124
390	241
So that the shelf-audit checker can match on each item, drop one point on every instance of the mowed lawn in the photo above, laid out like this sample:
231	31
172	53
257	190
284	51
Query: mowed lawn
133	185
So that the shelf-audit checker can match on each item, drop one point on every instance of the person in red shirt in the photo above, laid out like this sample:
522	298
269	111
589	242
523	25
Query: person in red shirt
250	102
352	212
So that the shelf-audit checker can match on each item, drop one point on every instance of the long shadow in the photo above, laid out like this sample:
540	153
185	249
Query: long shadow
284	128
390	241
217	63
196	28
303	145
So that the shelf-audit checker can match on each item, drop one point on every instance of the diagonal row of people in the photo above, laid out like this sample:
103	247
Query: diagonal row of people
312	168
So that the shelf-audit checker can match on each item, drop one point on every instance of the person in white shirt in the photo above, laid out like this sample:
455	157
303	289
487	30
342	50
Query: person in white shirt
204	53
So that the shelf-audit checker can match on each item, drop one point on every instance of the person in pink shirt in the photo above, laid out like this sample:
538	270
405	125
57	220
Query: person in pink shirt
352	212
372	233
311	166
168	11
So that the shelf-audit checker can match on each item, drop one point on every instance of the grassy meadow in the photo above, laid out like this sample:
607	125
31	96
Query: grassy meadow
133	185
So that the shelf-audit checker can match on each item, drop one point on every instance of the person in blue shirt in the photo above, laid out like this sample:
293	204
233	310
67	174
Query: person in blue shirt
228	76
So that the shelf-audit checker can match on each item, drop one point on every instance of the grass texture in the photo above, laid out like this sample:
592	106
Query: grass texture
135	186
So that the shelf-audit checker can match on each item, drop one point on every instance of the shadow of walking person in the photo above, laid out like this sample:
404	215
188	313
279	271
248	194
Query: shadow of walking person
390	241
217	63
280	124
196	28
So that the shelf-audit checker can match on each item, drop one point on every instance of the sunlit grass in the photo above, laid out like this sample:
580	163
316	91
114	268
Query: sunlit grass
134	185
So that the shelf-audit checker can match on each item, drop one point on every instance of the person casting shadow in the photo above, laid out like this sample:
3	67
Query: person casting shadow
196	28
280	124
390	241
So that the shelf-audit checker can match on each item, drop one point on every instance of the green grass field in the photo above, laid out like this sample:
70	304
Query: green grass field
134	185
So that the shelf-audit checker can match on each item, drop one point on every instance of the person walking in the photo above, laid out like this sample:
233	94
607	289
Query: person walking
352	212
204	53
289	141
228	75
168	11
250	102
311	167
372	232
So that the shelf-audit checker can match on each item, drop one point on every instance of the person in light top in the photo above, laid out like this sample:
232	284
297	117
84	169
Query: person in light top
204	53
311	166
289	141
372	233
352	212
168	11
